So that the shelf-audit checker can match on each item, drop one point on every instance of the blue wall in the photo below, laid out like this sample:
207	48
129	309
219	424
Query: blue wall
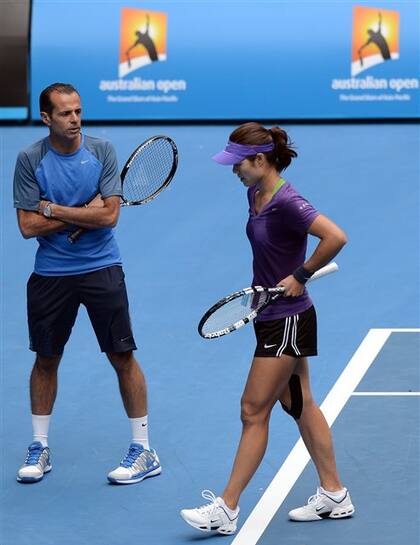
226	60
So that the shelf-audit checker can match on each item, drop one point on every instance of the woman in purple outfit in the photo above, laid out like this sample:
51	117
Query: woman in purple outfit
278	226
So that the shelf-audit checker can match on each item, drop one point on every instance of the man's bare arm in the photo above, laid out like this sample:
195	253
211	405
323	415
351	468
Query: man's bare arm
100	213
31	224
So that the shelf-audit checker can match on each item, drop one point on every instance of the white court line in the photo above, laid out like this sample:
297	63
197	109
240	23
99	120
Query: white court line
295	463
405	330
385	394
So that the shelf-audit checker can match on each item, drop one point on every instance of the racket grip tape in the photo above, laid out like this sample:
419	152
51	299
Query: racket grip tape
74	237
328	269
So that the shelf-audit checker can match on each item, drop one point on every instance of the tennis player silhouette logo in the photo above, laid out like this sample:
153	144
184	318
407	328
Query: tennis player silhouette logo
375	37
142	39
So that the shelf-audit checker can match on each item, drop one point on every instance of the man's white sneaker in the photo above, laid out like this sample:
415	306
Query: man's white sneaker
137	465
38	462
214	516
321	506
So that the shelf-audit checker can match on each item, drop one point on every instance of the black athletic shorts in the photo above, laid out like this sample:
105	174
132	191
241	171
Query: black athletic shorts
294	336
53	302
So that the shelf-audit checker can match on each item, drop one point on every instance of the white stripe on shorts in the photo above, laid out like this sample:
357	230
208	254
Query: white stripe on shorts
294	333
285	337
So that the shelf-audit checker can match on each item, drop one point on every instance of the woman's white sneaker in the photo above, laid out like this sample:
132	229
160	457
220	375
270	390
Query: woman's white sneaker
321	506
212	517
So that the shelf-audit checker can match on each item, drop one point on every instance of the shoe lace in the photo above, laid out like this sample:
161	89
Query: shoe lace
208	507
133	453
315	497
34	454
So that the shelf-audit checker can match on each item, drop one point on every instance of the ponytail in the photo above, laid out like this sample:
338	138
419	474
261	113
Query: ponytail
254	134
283	150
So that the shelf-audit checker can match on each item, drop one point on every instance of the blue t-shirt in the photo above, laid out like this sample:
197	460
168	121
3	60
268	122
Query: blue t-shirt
278	237
73	179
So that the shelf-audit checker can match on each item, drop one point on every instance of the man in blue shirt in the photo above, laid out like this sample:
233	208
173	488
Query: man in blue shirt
54	180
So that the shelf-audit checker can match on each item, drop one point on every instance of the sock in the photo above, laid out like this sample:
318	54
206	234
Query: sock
140	431
231	512
338	495
40	424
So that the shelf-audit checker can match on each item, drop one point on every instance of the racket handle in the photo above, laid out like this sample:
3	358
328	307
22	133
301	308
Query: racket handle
328	269
74	237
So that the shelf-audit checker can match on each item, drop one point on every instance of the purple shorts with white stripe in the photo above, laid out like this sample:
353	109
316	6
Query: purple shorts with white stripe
294	336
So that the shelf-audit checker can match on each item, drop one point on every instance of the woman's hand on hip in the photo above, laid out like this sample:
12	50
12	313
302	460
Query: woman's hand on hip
292	288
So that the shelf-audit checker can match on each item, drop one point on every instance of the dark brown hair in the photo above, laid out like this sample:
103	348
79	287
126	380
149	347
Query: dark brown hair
253	133
45	104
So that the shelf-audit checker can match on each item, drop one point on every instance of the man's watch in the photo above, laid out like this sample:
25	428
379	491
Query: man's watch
47	210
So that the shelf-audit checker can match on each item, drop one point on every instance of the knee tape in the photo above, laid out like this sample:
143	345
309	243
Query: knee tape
296	398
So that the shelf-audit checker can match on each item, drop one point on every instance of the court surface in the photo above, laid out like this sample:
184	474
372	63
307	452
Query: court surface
181	253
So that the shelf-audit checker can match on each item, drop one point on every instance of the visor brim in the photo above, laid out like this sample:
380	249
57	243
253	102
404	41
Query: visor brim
227	158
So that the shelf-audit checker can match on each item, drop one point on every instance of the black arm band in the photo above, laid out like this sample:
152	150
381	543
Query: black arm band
302	275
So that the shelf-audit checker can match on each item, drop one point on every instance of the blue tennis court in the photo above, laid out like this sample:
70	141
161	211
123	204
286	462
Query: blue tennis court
379	406
181	254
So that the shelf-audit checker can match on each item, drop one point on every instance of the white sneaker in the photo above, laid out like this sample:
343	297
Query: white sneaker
321	506
38	462
214	516
138	464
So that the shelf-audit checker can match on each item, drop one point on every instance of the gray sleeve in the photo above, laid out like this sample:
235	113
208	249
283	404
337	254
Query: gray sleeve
110	182
26	193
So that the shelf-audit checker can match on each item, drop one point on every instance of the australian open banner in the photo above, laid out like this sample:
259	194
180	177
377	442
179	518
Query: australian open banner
188	60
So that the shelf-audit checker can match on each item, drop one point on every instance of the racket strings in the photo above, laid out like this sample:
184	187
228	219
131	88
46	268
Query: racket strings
148	171
233	311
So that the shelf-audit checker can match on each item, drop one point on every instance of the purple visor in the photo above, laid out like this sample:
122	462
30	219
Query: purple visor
235	153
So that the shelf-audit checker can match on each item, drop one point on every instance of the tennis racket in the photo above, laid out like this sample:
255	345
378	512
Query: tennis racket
149	169
239	308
